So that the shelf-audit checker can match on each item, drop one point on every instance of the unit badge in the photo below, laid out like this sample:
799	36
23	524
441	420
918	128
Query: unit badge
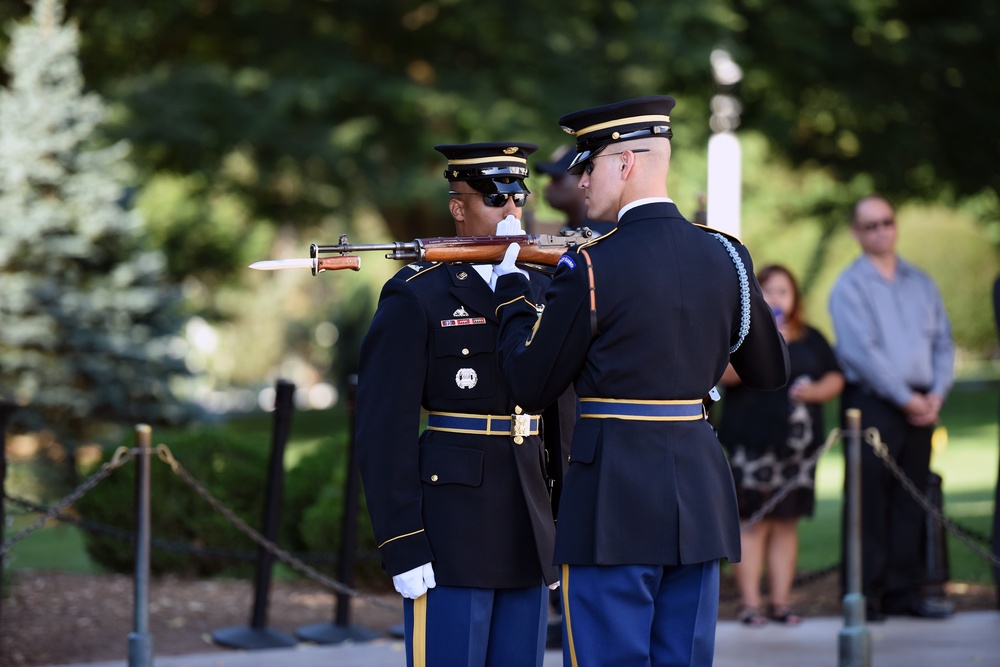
466	378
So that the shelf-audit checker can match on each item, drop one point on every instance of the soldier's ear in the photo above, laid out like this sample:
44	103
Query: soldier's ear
457	209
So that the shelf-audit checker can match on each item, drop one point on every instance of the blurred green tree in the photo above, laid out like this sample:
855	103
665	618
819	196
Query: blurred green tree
262	120
252	116
903	91
88	325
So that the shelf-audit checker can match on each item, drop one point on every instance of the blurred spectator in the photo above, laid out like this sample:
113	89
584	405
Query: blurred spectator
996	505
564	193
769	435
894	344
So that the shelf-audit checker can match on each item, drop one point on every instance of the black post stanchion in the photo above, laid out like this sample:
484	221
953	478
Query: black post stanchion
6	410
996	534
257	635
937	569
140	641
854	647
342	629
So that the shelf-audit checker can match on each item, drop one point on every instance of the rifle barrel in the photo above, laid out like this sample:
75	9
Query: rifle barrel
349	248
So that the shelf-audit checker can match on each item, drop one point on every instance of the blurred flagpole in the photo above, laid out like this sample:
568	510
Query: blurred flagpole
724	154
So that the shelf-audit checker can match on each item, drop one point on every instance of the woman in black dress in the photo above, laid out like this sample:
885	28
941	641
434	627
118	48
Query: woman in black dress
769	436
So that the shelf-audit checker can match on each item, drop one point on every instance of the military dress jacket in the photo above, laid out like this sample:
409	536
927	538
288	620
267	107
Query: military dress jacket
476	506
667	310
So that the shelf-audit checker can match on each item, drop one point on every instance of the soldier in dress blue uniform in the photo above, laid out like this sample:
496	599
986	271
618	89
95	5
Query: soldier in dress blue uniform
643	321
462	514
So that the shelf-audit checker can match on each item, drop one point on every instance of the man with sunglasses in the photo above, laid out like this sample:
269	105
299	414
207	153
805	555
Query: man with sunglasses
461	514
643	321
894	344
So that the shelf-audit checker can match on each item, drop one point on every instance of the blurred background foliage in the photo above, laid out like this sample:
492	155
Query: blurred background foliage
256	127
259	126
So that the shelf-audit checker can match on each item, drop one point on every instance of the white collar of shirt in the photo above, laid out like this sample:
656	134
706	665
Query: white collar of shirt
639	202
486	271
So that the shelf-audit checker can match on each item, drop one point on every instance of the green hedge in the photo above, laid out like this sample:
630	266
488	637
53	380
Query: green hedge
232	463
232	466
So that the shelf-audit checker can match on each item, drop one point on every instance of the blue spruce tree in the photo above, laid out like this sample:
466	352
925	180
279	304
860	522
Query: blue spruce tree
89	331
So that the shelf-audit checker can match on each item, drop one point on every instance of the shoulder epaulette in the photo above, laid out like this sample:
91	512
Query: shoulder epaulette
587	244
712	230
420	268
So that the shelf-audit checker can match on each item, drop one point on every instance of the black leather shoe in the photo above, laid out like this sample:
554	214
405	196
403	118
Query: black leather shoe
929	607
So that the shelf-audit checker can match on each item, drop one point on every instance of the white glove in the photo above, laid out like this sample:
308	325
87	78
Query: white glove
507	265
414	583
509	226
554	585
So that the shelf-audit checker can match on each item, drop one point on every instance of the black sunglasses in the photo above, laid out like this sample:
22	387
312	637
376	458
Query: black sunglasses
590	164
875	224
498	199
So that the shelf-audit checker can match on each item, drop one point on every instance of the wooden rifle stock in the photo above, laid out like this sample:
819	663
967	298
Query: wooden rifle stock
543	249
490	250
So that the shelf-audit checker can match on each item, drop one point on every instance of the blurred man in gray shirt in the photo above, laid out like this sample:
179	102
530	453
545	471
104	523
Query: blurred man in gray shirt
894	344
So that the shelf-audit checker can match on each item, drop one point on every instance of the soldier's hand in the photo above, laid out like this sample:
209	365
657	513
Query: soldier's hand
509	226
414	583
508	264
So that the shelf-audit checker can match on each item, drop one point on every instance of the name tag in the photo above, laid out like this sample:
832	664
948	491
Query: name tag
463	322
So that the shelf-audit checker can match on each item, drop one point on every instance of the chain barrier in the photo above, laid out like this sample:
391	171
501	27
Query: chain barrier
175	546
966	535
121	456
165	455
124	454
874	439
803	579
801	479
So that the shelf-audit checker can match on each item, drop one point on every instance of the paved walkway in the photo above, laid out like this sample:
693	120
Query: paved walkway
968	638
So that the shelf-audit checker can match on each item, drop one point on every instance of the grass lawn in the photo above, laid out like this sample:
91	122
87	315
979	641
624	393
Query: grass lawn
57	546
968	464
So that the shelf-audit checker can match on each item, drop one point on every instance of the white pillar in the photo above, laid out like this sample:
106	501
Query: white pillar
724	195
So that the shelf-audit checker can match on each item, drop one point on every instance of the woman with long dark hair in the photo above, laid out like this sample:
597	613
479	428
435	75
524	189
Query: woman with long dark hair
768	436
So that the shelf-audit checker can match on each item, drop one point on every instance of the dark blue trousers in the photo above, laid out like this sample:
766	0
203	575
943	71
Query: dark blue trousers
640	615
476	627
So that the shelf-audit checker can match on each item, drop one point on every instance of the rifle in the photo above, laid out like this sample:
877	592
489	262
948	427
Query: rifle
543	250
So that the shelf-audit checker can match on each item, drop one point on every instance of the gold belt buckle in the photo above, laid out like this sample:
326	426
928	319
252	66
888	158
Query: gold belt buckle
520	426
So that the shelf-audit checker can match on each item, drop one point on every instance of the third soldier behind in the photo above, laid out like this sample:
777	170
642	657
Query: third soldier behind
643	320
563	192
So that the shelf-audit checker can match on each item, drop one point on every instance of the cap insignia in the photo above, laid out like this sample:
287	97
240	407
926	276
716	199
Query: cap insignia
510	151
567	130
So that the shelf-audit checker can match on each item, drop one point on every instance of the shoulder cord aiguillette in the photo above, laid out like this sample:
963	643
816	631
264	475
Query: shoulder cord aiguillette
744	291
